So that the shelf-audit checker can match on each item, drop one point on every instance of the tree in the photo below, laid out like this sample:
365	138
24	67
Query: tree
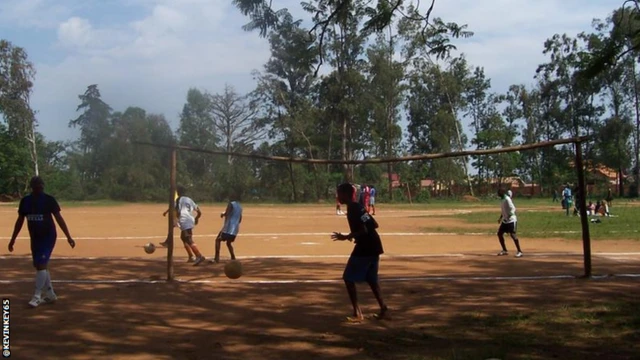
421	53
342	93
284	93
235	120
95	129
385	91
17	74
133	172
263	17
614	146
620	42
197	129
13	158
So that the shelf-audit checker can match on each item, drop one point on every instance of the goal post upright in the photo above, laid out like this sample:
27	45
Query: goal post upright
171	214
582	203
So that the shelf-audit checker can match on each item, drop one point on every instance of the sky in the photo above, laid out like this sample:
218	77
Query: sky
148	53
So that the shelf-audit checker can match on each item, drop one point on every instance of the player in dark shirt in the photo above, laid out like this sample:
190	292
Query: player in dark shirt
364	261
40	209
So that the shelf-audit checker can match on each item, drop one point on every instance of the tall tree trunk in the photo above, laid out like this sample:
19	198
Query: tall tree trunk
390	117
229	160
637	137
465	159
294	191
34	149
345	134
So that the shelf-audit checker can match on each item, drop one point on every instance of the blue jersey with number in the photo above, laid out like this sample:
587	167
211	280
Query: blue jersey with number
39	210
232	220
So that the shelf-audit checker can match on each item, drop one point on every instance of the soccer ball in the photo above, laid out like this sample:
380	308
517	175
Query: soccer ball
149	248
233	269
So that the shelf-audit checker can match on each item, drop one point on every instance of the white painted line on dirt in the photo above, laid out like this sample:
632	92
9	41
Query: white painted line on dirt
387	256
4	257
249	235
330	281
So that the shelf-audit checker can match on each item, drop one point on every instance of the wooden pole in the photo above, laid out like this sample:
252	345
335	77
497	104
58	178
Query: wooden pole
172	206
379	160
582	203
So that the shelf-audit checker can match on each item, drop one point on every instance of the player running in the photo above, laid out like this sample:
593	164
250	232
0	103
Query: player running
185	207
40	209
232	219
508	223
364	261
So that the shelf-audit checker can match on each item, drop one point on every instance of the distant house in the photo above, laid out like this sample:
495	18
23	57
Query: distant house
513	183
427	183
395	179
604	173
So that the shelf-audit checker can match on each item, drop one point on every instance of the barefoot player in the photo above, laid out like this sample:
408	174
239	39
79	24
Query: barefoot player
508	223
365	258
40	209
185	207
232	219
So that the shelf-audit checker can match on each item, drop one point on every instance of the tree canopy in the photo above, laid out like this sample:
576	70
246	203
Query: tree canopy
393	86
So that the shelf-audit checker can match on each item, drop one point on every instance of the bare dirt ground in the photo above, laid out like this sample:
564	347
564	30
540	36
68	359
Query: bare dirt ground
290	303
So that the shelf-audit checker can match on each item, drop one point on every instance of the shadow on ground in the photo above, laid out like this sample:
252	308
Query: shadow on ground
455	319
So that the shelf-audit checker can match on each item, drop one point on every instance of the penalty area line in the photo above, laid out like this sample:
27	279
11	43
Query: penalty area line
332	281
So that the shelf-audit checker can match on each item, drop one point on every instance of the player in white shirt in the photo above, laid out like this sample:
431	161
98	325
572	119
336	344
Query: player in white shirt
185	207
508	223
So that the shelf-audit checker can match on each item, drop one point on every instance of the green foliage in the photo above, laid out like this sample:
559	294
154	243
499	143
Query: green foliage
374	78
14	163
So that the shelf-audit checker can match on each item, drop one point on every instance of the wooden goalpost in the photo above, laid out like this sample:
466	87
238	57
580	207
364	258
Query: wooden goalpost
577	141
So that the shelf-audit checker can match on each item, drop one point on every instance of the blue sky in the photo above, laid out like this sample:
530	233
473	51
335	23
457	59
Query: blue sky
148	53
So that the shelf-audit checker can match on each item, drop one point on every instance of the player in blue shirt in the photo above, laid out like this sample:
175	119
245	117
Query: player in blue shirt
372	200
39	209
232	219
364	261
567	198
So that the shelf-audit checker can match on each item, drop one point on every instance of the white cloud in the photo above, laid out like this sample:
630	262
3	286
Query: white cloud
36	13
150	60
75	32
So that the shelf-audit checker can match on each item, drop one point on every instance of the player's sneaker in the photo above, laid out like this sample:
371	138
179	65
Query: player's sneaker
164	243
191	259
519	254
35	301
503	253
199	261
49	297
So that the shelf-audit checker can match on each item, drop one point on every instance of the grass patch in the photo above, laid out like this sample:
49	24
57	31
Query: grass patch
587	330
97	203
555	224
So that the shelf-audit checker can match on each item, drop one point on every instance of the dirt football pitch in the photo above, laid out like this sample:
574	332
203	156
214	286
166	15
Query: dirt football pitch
291	303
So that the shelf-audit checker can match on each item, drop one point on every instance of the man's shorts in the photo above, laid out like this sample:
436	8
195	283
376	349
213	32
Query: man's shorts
226	237
509	228
41	250
372	201
362	269
187	236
